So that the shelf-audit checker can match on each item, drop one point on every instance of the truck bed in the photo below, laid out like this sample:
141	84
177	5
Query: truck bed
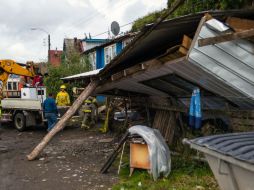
22	104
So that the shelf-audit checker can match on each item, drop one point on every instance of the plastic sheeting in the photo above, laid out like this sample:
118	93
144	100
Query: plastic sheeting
195	115
158	150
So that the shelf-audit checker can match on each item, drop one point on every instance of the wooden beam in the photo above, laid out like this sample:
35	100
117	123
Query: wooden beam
123	93
172	87
134	69
200	25
168	108
186	43
183	50
230	113
226	38
117	76
62	122
126	72
113	156
239	24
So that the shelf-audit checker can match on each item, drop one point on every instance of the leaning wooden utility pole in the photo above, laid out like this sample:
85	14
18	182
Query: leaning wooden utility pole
61	123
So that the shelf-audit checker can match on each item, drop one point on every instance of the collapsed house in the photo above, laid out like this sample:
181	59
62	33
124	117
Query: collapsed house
160	69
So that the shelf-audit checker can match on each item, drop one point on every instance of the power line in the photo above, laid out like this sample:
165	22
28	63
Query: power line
93	16
97	14
84	19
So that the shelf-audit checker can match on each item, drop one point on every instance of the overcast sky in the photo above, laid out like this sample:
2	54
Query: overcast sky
61	18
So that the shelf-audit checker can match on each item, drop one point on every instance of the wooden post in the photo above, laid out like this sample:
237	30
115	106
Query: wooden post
225	38
61	123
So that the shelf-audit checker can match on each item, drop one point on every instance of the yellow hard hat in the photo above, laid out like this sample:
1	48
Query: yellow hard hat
63	87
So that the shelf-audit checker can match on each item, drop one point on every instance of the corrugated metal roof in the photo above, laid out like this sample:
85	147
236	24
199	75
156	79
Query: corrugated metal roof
209	82
229	62
82	75
188	72
236	145
167	34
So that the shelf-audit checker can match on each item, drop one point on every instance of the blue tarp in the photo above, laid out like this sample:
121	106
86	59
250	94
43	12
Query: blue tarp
195	115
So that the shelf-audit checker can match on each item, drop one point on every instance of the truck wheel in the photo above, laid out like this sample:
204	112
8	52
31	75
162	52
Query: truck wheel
20	121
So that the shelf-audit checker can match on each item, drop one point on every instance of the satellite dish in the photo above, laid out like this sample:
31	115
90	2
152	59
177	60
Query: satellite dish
115	28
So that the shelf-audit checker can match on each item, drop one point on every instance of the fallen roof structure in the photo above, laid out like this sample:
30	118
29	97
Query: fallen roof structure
214	52
169	63
163	64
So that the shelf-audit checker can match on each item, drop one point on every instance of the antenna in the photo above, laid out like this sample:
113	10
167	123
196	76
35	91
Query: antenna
115	28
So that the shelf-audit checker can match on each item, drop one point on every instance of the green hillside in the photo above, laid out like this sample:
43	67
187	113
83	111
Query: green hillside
193	6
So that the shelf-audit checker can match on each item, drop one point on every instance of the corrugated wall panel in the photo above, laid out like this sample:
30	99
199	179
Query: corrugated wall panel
230	64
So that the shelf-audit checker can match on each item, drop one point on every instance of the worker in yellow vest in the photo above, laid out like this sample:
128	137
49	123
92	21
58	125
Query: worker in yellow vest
63	98
90	112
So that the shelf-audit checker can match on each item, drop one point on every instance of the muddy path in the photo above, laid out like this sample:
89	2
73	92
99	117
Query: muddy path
71	161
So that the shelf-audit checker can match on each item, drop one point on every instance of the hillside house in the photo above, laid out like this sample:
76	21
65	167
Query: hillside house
102	54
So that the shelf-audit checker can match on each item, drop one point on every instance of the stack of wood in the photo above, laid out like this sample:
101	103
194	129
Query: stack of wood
186	44
242	121
177	51
165	122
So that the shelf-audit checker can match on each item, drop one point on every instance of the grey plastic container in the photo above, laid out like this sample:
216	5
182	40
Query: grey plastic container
231	158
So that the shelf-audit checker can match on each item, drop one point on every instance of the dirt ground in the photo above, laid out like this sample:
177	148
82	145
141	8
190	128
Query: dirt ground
71	161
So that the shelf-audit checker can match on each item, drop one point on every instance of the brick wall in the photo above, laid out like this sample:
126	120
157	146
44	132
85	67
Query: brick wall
55	57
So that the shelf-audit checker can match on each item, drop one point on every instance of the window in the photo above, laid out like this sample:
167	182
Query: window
113	50
92	59
9	86
110	53
40	92
14	86
107	55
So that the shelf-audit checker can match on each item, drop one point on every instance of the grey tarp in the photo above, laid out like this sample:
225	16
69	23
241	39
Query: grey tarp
159	153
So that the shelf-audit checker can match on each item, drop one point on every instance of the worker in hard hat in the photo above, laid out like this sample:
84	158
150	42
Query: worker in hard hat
63	98
90	112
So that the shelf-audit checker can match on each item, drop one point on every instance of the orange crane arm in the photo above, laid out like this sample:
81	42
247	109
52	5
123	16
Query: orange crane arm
8	67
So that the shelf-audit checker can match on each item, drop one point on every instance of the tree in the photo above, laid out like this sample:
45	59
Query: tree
192	6
74	65
148	19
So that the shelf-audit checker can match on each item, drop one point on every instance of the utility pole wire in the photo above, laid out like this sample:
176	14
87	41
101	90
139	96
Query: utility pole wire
93	16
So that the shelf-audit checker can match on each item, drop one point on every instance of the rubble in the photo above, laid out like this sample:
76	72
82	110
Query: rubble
57	165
